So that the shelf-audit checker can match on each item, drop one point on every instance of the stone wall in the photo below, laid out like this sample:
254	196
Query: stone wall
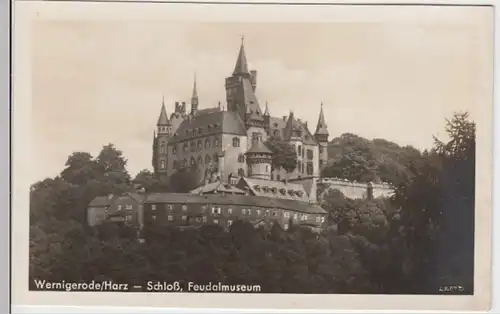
354	190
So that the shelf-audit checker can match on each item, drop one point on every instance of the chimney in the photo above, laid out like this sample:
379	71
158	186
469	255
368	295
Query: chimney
253	78
369	191
183	107
284	118
177	107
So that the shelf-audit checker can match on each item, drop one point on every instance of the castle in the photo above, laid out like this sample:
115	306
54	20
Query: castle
201	136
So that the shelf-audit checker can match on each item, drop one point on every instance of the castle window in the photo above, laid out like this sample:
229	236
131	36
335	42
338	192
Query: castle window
154	217
216	210
241	158
175	165
162	148
169	207
200	130
174	150
184	162
236	142
321	163
170	218
276	133
255	136
207	143
199	144
184	217
285	227
203	208
216	157
119	208
310	168
153	207
216	142
193	161
299	149
193	146
286	214
310	154
200	160
185	147
258	212
295	217
162	164
184	207
216	221
230	211
205	219
229	223
321	150
207	159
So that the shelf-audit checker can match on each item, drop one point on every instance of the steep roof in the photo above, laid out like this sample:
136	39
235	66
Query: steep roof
102	201
259	147
296	128
250	99
217	187
209	122
242	200
241	66
275	189
163	118
321	128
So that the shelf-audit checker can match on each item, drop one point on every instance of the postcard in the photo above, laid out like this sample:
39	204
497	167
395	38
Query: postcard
252	156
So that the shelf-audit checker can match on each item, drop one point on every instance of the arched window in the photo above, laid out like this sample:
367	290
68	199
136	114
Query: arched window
162	148
200	160
185	162
276	133
174	150
193	161
207	143
185	147
216	142
216	157
199	144
162	164
207	159
236	142
241	158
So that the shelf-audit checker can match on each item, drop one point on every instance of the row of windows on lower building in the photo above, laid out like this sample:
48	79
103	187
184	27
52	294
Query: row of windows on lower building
244	212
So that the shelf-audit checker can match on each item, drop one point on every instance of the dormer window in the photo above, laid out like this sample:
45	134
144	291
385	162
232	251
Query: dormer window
283	191
256	187
274	190
291	192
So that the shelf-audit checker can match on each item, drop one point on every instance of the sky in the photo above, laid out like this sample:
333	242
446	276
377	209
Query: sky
96	82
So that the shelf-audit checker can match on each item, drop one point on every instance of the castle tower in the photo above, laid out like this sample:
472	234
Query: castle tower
163	130
259	159
240	90
194	98
321	136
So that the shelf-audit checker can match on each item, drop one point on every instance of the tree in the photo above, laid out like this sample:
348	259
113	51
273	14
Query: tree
80	168
185	179
151	182
284	155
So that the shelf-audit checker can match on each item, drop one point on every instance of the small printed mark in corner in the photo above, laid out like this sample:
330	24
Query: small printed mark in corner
451	289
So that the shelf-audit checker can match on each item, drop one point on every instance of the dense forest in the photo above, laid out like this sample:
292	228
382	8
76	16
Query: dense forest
416	242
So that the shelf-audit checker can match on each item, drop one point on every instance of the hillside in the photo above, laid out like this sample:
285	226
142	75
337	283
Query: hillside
357	159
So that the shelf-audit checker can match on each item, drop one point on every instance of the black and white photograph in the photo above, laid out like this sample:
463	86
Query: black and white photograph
239	152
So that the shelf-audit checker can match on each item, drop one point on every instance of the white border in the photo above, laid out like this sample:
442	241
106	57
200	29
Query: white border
26	12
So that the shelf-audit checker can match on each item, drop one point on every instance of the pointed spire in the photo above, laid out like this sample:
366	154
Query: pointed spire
321	128
195	93
241	63
163	119
266	113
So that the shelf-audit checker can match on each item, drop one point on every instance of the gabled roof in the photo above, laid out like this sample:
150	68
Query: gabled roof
275	189
102	201
210	122
296	128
